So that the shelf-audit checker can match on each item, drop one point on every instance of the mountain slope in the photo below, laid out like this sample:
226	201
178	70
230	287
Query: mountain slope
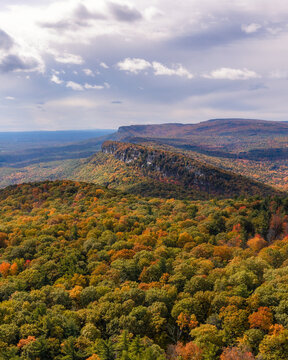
153	172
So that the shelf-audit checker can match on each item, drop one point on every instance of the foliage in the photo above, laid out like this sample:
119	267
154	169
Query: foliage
91	273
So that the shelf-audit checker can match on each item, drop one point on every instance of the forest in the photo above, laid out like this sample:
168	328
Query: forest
93	273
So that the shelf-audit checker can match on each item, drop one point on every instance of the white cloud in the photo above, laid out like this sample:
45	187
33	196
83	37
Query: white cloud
136	65
69	59
160	69
78	87
11	98
74	86
232	74
133	65
93	87
152	12
55	79
250	28
104	65
88	72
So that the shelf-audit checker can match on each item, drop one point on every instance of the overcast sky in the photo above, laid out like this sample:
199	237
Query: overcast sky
80	64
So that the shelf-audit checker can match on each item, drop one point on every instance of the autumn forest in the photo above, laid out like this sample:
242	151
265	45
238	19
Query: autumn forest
91	273
145	250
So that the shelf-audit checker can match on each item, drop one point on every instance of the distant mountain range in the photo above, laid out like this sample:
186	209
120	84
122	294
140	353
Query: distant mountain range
225	137
219	127
228	138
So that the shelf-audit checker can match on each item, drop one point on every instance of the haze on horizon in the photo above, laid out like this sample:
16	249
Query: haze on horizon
84	64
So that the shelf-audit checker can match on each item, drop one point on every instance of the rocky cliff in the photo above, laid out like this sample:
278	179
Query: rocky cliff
175	168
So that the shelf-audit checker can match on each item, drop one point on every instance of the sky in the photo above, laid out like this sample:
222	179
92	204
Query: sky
86	64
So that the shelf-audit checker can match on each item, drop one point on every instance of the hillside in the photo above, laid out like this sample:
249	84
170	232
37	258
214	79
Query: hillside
178	174
86	272
254	148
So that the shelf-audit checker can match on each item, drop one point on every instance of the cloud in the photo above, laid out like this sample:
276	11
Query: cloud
79	18
275	30
88	72
69	59
160	69
93	87
250	28
210	35
74	86
6	42
124	12
152	12
133	65
13	62
55	79
63	24
104	65
10	98
78	87
232	74
82	13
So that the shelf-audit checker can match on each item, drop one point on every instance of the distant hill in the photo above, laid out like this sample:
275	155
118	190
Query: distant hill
219	127
228	138
153	172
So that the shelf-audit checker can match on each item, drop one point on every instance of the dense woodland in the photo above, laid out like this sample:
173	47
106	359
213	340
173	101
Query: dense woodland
270	172
91	273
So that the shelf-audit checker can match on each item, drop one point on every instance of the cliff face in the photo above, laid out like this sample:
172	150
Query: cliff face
190	174
164	163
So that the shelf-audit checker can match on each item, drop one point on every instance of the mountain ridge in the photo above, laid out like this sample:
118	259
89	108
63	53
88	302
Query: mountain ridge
192	175
221	126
